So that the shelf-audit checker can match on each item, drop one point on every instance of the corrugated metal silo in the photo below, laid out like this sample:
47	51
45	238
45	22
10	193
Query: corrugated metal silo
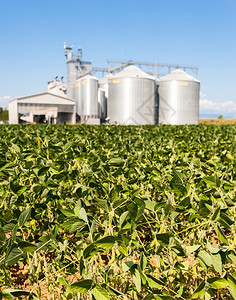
102	104
103	83
132	95
178	99
87	97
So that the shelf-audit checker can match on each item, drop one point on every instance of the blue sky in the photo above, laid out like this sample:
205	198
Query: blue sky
190	32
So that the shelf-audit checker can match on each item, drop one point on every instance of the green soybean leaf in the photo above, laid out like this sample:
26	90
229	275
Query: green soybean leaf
51	184
15	147
77	208
73	225
122	248
27	247
150	205
221	236
62	281
123	217
143	261
232	285
191	249
177	185
217	262
140	213
116	161
127	265
205	257
102	204
106	242
213	250
178	249
8	227
184	204
118	203
137	280
216	214
113	195
82	286
13	256
77	226
199	292
68	146
99	293
163	238
67	212
13	200
90	251
209	180
218	283
233	258
154	283
21	190
43	171
17	293
7	296
83	215
24	216
2	235
226	219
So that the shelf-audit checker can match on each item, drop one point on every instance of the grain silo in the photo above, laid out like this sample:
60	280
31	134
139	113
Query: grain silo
102	105
131	99
178	98
86	94
103	83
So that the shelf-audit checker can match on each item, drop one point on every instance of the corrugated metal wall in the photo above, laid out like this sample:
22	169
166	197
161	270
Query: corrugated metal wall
178	102
132	101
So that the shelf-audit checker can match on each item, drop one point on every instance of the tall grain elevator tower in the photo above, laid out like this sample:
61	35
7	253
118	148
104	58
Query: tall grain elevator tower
75	68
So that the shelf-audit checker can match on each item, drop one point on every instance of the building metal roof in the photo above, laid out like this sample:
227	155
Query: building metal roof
132	72
178	75
45	98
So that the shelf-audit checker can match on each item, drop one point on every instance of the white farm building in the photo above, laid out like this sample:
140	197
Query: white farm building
42	108
49	107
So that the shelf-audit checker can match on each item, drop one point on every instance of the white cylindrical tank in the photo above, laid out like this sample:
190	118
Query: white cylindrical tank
103	83
86	93
178	98
102	104
131	97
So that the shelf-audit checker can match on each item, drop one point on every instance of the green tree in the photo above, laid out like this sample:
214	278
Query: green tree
4	115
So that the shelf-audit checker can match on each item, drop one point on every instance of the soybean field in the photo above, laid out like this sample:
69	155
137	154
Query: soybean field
117	212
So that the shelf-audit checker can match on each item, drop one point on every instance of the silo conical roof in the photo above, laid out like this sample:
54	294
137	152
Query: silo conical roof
178	75
88	76
105	79
132	72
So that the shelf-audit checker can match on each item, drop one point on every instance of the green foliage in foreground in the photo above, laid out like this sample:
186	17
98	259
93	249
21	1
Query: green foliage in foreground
112	212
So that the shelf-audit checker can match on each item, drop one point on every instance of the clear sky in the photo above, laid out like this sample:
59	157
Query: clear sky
190	32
